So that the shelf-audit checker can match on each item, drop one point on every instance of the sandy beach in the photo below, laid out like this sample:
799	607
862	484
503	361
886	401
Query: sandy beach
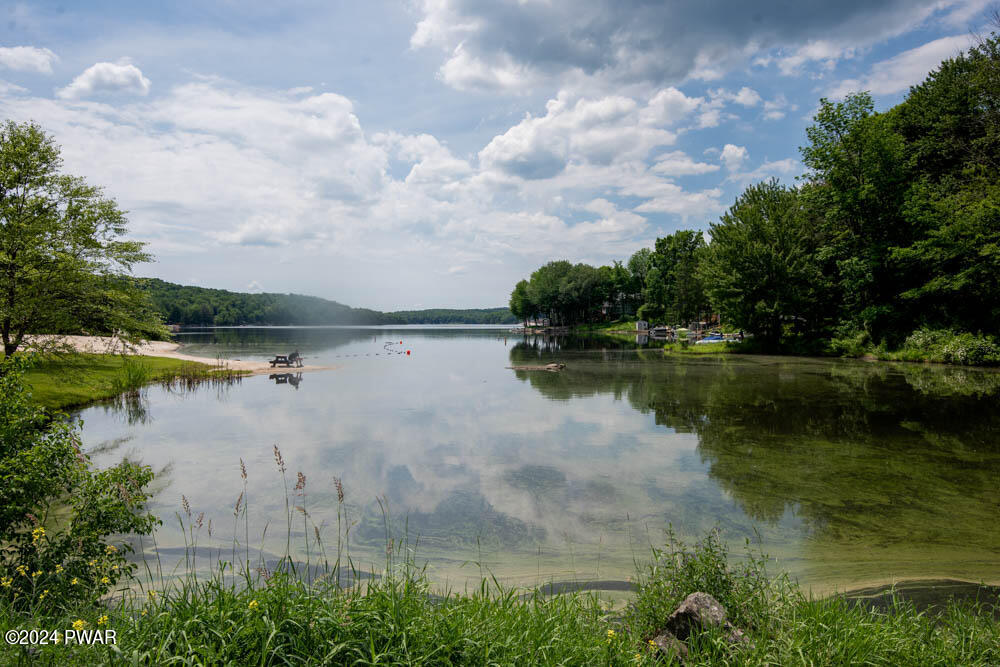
160	348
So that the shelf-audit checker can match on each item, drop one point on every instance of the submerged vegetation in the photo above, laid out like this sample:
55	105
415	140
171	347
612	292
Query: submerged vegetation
888	247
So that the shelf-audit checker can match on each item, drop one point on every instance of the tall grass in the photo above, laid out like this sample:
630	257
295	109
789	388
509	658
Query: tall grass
131	377
325	611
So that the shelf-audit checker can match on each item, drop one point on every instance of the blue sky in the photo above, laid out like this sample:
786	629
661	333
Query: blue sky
431	153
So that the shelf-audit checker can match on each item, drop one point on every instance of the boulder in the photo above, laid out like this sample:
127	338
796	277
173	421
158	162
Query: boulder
698	611
671	646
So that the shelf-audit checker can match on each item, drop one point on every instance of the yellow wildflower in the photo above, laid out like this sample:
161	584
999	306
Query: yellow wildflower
93	562
652	643
151	594
638	657
611	634
103	620
6	581
59	568
36	574
22	570
74	581
105	580
115	566
253	605
143	612
110	549
42	596
37	534
79	624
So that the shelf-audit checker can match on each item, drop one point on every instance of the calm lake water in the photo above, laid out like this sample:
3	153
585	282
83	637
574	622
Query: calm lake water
849	473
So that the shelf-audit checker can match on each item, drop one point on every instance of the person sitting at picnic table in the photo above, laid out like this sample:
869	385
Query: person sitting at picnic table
295	357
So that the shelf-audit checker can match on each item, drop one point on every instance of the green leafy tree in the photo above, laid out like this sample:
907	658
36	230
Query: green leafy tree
673	283
759	267
53	558
520	302
857	184
951	125
63	258
544	288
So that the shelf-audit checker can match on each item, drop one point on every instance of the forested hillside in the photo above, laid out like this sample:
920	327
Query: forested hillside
199	306
451	316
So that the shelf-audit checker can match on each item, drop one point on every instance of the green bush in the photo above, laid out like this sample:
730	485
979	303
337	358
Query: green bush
850	342
970	350
56	513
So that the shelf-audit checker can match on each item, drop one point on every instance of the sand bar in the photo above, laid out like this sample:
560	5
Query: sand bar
161	348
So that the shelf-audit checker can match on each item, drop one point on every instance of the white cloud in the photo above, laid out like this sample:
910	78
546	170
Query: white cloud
7	88
598	131
27	59
769	169
669	106
679	163
777	108
825	52
107	78
745	96
733	156
494	44
464	71
905	69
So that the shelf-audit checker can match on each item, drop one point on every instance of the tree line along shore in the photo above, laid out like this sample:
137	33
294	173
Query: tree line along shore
888	246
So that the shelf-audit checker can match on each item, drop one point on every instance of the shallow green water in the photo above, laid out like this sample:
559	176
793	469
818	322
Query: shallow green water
850	473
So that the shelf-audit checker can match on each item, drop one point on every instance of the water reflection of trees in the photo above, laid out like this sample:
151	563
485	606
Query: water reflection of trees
859	451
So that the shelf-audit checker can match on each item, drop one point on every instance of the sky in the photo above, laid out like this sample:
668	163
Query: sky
431	153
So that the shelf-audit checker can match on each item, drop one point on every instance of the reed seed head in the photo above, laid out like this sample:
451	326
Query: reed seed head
186	505
243	470
340	489
279	459
300	485
236	510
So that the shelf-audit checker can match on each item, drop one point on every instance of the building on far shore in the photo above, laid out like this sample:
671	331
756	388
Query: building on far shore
642	325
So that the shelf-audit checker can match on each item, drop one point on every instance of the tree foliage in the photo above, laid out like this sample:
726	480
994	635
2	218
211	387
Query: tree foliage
63	255
760	265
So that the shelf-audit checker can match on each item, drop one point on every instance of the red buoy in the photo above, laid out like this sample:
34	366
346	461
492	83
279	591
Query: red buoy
407	353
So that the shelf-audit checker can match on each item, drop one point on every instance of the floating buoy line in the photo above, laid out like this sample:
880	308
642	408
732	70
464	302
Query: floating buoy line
388	349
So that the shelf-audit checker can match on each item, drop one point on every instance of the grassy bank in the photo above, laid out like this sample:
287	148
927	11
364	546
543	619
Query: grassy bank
272	618
73	380
924	345
604	327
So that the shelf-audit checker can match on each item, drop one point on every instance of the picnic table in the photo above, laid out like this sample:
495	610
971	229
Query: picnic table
286	360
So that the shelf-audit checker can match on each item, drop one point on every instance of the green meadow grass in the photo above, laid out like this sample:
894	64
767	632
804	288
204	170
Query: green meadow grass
73	380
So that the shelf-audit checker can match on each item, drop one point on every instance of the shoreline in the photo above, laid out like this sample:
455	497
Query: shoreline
168	349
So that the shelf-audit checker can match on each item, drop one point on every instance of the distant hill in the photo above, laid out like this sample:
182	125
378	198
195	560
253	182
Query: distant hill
201	306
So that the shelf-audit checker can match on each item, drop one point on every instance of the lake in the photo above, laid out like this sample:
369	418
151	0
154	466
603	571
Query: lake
849	473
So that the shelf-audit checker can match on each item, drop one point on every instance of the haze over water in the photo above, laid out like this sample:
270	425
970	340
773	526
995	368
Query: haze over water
849	473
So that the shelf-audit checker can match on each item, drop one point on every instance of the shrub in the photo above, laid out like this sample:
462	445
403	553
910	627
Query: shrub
970	350
51	557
